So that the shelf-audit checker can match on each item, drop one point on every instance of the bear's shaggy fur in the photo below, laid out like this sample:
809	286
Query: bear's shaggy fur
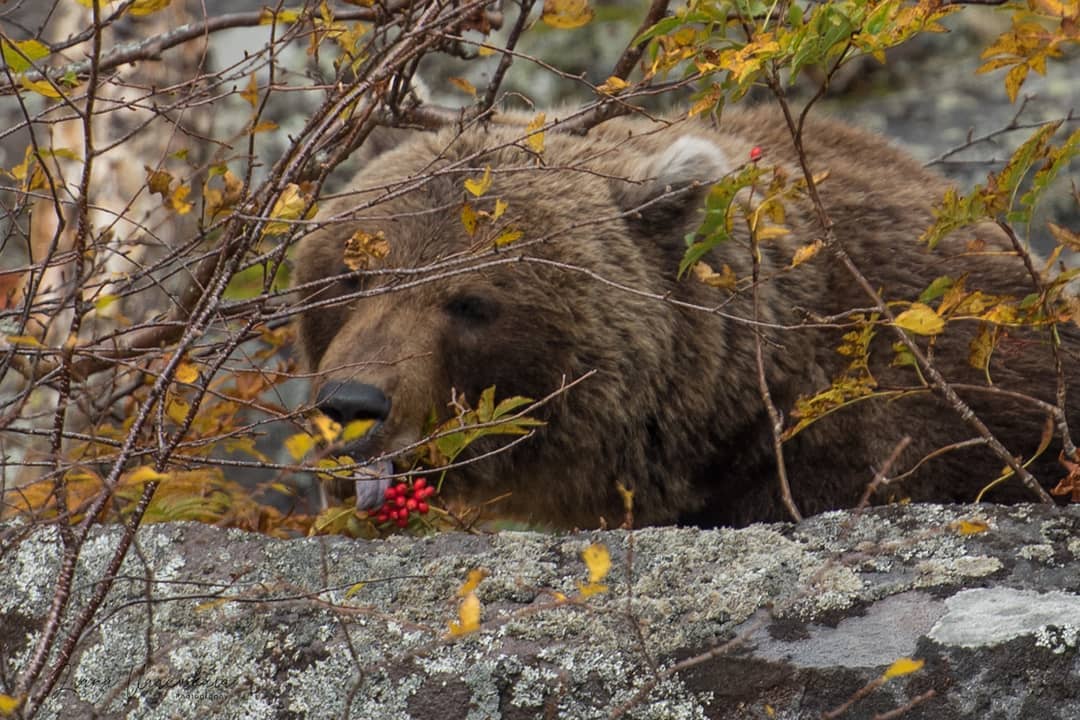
674	411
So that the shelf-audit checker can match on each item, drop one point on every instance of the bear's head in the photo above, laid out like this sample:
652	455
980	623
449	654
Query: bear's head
445	313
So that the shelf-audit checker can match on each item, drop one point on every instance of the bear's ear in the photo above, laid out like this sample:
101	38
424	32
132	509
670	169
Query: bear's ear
669	186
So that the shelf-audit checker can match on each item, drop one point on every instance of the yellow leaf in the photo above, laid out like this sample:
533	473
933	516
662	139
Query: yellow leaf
970	527
627	497
186	373
598	560
613	85
981	348
146	7
251	92
469	219
921	320
105	301
178	199
333	520
705	104
481	186
806	252
463	85
20	171
353	589
328	429
567	14
356	429
536	136
333	464
211	604
299	445
41	87
177	410
268	16
508	236
501	205
26	340
9	704
590	589
264	126
1014	79
485	51
903	666
770	232
145	474
1064	236
289	205
469	586
724	279
468	616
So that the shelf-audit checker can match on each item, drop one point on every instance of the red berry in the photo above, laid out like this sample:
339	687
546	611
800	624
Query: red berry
411	503
390	492
382	517
403	513
402	522
755	153
422	507
393	514
419	483
400	500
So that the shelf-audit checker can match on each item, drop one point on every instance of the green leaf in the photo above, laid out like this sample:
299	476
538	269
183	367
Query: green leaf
20	55
877	20
251	282
1056	160
507	406
795	15
486	407
936	289
715	227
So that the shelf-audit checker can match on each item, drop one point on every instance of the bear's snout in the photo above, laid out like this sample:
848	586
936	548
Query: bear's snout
344	402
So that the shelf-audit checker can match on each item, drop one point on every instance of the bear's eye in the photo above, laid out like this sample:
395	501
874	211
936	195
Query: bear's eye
472	308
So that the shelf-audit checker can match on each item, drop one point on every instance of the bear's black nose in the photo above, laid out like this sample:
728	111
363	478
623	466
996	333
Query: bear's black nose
345	402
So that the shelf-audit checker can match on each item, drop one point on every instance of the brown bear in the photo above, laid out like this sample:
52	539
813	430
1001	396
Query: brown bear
674	410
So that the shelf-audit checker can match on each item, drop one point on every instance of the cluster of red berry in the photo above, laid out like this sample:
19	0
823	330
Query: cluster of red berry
403	500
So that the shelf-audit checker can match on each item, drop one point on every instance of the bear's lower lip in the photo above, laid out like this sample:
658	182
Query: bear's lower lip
371	483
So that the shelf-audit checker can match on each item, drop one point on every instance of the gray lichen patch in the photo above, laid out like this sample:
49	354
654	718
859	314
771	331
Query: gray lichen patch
991	616
889	629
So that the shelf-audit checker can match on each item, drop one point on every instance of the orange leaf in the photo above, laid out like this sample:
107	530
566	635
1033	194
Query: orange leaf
970	527
463	85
